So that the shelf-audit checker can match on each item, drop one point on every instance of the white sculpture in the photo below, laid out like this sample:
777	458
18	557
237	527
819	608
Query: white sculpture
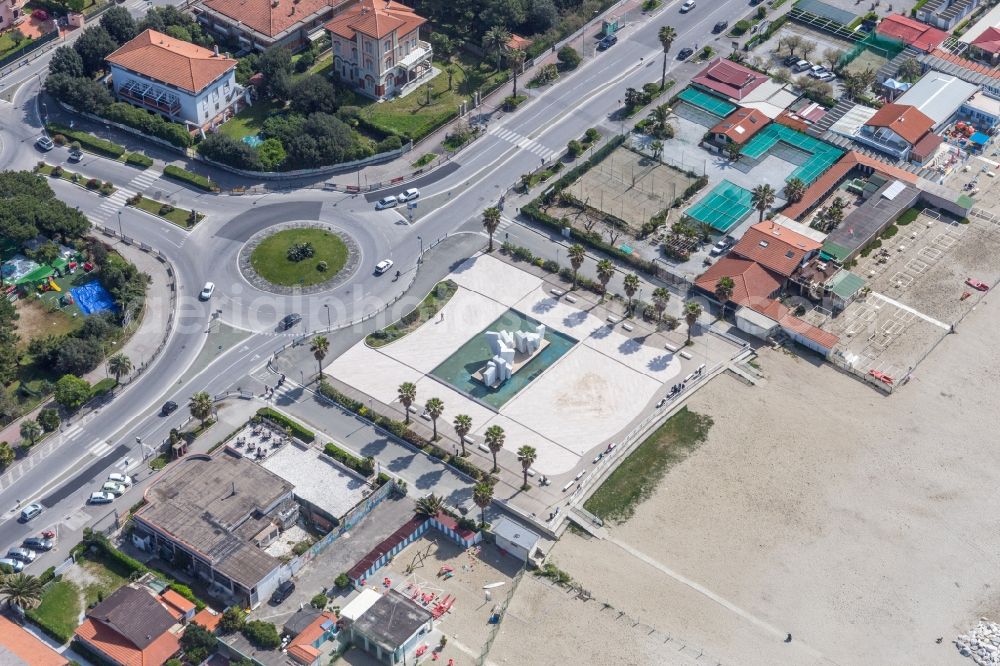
503	346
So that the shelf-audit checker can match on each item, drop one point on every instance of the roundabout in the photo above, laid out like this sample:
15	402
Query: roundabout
299	257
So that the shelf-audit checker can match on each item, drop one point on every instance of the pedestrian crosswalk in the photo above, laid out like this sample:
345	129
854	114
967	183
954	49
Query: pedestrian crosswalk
524	143
110	205
99	449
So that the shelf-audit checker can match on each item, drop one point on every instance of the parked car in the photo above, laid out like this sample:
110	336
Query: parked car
720	26
207	291
44	143
409	195
101	497
115	488
754	3
801	66
722	246
790	60
817	70
386	202
15	566
685	53
29	512
283	592
382	266
977	284
123	479
23	554
607	43
290	320
687	6
75	155
37	543
826	76
169	407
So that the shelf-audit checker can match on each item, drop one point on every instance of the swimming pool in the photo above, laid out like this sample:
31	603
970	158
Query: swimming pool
253	140
457	369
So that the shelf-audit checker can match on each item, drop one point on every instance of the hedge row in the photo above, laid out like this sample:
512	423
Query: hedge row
298	431
201	182
139	160
148	123
88	141
360	465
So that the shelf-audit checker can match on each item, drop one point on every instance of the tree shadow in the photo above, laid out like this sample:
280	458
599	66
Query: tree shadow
400	462
575	319
629	347
602	332
660	363
375	446
544	305
429	479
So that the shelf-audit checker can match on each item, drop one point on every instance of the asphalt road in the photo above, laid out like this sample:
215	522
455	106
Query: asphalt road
451	200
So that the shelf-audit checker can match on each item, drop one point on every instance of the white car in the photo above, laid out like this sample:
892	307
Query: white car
408	195
121	478
44	143
801	66
101	498
14	565
386	202
817	71
826	76
115	488
207	291
382	266
687	6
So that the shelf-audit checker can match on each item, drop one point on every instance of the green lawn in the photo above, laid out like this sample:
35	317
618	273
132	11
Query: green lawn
412	320
59	611
270	258
425	159
106	577
250	121
178	216
636	478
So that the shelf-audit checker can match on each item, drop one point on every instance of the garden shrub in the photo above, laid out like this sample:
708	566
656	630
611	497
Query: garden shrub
298	431
201	182
262	635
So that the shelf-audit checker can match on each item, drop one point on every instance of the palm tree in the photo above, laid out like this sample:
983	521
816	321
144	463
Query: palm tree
526	455
407	393
692	311
657	147
494	440
434	407
429	506
491	220
463	426
605	271
724	291
762	197
496	39
201	406
795	189
631	286
31	430
119	365
516	59
666	35
576	255
661	296
21	590
659	122
319	347
482	495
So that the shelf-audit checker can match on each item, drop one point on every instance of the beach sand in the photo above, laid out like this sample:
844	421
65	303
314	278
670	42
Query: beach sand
865	525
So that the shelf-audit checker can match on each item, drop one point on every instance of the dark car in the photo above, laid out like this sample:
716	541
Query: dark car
754	3
290	320
169	407
790	60
685	53
720	26
283	592
607	43
37	543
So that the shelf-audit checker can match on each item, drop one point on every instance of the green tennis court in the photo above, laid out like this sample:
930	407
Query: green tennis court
724	207
705	102
823	155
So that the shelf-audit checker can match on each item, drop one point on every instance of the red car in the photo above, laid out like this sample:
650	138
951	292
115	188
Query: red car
977	284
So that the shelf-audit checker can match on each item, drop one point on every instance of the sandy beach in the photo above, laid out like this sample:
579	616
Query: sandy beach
864	525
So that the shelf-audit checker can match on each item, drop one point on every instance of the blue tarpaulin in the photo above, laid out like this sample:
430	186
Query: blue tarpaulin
92	297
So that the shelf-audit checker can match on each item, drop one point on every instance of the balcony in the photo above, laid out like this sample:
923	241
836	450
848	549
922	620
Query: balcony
150	97
422	51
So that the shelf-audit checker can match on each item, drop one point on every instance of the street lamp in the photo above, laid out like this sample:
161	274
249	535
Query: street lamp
122	233
328	324
420	258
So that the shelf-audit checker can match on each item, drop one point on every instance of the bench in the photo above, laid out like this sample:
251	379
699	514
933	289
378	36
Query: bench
686	354
484	448
557	292
671	348
613	320
569	298
628	327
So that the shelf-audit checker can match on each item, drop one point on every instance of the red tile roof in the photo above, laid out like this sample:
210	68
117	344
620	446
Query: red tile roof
208	619
176	602
741	124
926	146
907	121
519	43
988	41
112	644
775	247
301	648
825	339
967	64
172	61
912	32
752	283
376	19
270	17
16	643
729	78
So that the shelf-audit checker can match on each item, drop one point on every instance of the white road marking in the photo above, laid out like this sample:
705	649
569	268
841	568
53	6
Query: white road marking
907	308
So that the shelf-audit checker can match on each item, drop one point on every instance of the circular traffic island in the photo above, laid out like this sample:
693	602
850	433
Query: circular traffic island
306	257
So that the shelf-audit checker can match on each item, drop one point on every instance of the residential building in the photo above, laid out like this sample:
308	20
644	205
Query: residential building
377	48
729	79
983	37
217	514
914	33
776	247
738	127
261	24
895	129
11	13
20	648
132	627
801	115
305	647
388	626
945	14
179	80
753	285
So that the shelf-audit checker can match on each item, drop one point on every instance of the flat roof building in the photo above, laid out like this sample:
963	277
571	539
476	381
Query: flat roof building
938	96
391	627
514	539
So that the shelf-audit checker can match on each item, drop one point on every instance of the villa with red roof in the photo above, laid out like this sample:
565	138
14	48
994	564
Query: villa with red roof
909	31
177	79
897	129
738	127
776	247
377	48
986	46
261	24
729	79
